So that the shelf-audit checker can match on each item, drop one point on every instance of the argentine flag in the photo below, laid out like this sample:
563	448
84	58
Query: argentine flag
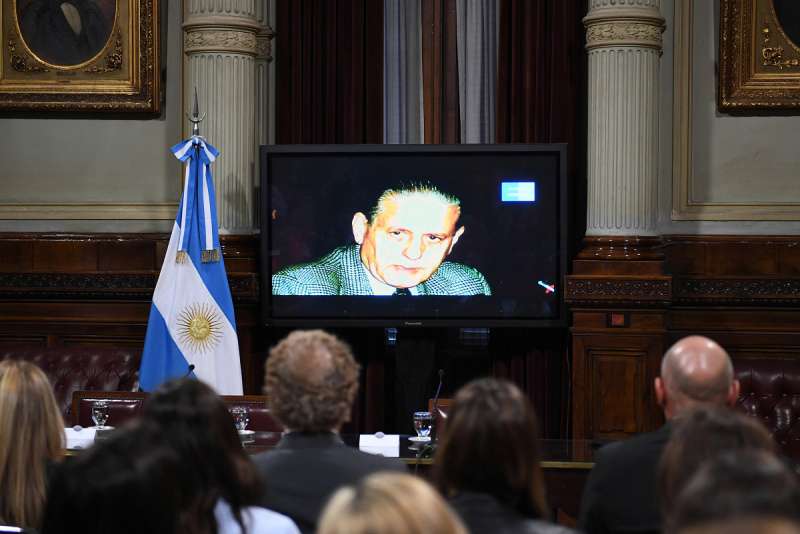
192	330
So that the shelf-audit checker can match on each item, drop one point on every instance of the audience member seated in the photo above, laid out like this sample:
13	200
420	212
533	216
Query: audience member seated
389	503
311	382
31	442
738	486
621	493
701	435
749	525
487	463
197	425
131	483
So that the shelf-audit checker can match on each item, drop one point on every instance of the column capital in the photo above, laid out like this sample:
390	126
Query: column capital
614	23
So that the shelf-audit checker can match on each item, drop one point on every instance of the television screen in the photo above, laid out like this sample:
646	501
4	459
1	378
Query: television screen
413	234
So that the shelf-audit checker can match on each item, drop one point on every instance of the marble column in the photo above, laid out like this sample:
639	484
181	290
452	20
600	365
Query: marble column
221	46
623	40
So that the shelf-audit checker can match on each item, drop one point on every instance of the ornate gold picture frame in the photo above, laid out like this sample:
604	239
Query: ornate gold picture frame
79	55
759	54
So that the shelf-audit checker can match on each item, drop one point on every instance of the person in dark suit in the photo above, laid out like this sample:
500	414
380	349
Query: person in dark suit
621	494
65	32
400	250
311	382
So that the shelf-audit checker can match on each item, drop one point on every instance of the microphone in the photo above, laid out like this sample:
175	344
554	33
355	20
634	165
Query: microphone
428	449
435	414
188	371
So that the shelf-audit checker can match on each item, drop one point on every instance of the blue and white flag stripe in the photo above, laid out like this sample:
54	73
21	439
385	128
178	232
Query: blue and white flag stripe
191	318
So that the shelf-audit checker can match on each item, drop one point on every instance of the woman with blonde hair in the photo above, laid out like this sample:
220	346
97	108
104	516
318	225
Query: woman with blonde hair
31	441
389	503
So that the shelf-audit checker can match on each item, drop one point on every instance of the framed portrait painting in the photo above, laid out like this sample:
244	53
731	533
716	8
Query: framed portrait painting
759	54
79	55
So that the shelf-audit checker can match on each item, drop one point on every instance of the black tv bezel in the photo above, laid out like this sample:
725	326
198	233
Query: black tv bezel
265	269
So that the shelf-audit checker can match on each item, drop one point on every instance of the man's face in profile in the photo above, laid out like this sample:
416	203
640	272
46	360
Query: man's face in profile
408	240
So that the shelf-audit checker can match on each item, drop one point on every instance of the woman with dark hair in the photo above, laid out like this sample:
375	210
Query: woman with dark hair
488	461
133	482
197	425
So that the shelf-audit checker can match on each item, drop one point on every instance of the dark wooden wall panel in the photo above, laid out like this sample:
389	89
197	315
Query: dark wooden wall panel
96	290
742	291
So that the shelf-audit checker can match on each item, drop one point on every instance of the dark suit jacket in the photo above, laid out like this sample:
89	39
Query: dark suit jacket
480	512
621	494
304	470
341	272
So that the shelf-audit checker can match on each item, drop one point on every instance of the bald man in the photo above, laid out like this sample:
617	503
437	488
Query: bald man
621	494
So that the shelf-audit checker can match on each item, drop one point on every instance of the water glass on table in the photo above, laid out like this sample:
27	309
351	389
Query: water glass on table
241	417
423	422
100	414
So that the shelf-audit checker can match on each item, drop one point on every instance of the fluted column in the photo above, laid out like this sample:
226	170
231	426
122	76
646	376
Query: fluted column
623	40
220	43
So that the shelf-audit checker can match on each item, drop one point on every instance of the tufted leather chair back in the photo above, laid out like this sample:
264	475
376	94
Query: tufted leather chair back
72	369
771	392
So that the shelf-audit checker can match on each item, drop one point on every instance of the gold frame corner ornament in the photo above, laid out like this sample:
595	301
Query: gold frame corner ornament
759	66
123	77
685	207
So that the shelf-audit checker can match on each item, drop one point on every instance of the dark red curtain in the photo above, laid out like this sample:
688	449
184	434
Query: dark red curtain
541	95
329	67
440	72
541	62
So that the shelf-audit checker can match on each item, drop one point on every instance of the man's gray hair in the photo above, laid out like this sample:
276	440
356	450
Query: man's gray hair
413	189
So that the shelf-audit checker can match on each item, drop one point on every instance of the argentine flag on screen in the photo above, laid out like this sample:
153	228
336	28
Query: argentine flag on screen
192	330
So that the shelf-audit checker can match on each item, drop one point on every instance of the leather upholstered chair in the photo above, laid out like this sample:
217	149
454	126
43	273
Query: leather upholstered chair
770	391
72	369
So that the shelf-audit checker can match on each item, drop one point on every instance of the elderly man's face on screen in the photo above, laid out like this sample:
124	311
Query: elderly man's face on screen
409	238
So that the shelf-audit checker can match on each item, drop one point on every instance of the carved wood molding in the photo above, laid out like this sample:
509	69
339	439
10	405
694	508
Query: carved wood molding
114	286
623	290
738	290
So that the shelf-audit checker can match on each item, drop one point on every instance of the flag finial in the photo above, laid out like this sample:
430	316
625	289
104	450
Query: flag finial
195	117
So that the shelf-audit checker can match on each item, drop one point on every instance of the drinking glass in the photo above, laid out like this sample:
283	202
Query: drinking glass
100	413
423	421
241	417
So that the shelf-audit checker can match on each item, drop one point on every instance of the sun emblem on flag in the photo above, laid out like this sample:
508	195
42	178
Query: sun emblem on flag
199	327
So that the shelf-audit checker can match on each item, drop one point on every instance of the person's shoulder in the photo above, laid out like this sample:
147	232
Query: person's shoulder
632	449
257	520
454	278
365	462
321	276
537	526
260	520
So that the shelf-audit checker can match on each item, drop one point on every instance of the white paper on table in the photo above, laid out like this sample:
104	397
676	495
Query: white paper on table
79	439
387	445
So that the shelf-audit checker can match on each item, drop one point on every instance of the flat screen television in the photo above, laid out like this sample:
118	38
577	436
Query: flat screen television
413	235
